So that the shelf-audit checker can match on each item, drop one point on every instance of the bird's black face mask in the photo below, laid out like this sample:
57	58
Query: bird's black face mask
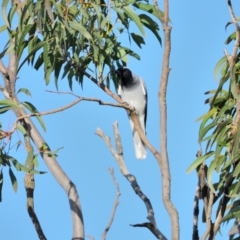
125	75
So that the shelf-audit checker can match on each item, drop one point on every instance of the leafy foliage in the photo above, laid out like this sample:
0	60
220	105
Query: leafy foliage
66	38
75	35
220	130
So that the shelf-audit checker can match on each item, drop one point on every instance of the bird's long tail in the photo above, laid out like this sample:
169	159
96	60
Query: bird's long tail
140	149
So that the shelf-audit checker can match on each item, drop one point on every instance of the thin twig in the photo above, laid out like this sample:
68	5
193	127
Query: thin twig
67	107
118	155
90	237
116	202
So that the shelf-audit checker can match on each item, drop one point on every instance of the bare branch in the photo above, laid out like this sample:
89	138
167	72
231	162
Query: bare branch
64	108
118	155
116	202
164	161
123	105
234	19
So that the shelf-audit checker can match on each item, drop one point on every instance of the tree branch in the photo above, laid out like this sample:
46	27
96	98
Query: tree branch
164	162
29	183
195	235
65	107
235	21
209	230
116	202
52	164
118	155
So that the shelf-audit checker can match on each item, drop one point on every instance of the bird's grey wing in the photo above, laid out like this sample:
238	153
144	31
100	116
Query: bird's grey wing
119	90
144	88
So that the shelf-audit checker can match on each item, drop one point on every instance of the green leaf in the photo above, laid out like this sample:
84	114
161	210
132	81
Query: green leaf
147	8
32	109
199	161
24	90
23	168
151	25
33	52
235	150
3	28
49	10
21	129
205	130
21	40
4	109
4	13
9	103
79	27
233	213
131	53
219	64
211	168
208	115
232	37
11	13
67	67
122	54
236	170
137	39
135	18
121	16
39	62
35	160
4	3
2	54
13	180
1	184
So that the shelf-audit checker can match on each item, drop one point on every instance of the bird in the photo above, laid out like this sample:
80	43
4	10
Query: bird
132	90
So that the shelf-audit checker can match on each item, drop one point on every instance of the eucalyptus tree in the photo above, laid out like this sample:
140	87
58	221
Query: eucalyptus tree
69	39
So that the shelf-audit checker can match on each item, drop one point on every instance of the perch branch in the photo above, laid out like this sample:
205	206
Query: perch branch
64	108
116	202
118	155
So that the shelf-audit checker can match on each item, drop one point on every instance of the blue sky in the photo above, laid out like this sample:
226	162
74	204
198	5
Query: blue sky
198	37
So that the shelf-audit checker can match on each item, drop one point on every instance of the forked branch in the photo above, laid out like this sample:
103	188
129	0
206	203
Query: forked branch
118	155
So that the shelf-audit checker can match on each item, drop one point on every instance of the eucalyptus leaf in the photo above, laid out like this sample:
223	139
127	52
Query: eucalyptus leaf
13	180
